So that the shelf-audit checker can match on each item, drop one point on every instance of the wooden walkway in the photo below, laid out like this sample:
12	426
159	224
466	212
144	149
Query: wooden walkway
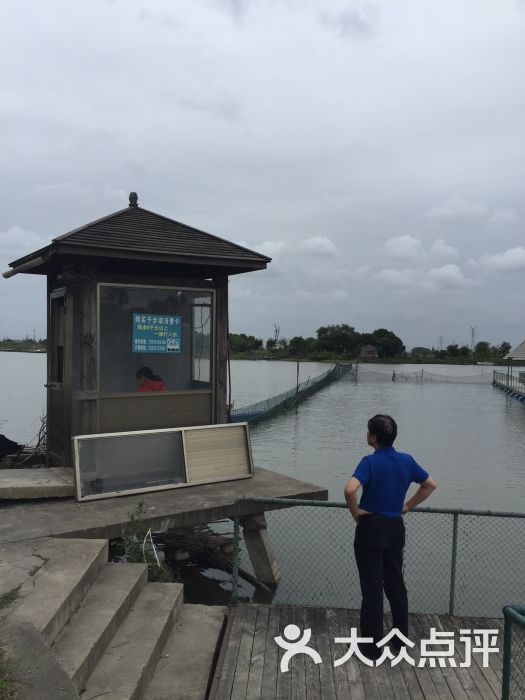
249	661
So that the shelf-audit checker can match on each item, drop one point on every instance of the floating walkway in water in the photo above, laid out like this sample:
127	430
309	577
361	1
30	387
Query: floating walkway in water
264	409
510	384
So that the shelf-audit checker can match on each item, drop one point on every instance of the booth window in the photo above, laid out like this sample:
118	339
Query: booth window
163	334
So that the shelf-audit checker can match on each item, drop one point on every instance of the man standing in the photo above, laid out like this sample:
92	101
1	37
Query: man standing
385	477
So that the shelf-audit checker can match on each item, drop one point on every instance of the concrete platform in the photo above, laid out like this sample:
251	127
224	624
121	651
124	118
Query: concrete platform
27	520
55	482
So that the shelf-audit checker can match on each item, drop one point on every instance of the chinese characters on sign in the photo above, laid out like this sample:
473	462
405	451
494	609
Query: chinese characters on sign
439	647
156	333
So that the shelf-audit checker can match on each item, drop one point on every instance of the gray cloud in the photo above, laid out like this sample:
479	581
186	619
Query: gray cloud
353	22
384	176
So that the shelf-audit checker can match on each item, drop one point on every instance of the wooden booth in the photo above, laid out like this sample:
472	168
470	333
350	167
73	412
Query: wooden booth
137	325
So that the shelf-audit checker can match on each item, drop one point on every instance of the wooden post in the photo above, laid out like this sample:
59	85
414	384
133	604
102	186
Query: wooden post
221	345
259	549
88	351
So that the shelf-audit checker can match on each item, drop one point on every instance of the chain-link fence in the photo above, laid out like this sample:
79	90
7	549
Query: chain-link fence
458	562
513	687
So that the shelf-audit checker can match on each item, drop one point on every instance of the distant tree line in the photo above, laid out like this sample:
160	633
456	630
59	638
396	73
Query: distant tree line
331	341
26	344
483	352
342	341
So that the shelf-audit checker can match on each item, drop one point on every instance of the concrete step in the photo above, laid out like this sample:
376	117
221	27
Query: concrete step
126	667
84	639
56	586
184	669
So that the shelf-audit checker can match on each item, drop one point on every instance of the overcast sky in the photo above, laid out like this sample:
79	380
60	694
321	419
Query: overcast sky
375	150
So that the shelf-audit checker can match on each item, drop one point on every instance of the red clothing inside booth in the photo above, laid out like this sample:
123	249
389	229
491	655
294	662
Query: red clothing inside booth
152	385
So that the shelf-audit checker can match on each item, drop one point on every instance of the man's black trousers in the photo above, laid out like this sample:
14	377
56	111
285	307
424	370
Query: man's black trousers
378	547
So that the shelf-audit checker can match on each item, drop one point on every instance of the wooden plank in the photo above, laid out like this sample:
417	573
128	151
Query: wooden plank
255	676
395	673
226	675
342	686
272	656
423	676
367	673
312	677
488	674
297	664
463	673
242	668
422	626
223	641
321	642
403	676
284	680
496	660
449	672
346	620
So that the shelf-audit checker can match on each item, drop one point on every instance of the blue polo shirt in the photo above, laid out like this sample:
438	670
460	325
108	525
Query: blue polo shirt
385	477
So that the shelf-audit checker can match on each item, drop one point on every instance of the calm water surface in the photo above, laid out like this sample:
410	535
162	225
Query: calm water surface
470	437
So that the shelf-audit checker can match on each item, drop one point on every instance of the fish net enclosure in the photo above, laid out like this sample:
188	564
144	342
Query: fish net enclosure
266	408
422	376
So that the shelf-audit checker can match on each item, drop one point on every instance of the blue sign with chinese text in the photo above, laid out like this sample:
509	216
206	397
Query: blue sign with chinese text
156	333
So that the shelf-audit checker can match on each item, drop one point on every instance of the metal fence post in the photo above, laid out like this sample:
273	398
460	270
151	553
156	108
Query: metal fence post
453	564
236	551
507	655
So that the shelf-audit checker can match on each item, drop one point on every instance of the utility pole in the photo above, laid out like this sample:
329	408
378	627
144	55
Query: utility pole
472	338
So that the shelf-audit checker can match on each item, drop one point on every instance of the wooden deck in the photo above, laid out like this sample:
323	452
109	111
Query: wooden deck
248	666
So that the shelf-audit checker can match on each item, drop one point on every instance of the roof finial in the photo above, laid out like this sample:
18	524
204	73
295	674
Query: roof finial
133	200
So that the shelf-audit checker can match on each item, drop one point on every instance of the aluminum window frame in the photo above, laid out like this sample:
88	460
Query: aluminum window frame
164	487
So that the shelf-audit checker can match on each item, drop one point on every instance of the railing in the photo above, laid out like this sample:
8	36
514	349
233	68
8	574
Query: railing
513	683
461	562
269	407
509	381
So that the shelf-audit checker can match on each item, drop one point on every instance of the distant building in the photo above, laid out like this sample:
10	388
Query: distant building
369	351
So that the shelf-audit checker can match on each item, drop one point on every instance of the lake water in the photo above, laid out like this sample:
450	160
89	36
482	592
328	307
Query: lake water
468	435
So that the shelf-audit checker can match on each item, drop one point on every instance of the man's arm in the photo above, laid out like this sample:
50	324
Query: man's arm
351	498
425	489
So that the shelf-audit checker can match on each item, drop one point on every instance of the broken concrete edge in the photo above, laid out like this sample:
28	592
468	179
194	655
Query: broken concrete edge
35	671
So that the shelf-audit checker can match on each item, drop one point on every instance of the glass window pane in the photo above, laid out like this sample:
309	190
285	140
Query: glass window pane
201	345
155	339
114	463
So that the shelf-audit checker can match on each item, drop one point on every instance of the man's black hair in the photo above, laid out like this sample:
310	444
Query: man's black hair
384	428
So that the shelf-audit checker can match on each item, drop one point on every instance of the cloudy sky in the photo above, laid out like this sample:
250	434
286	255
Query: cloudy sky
375	150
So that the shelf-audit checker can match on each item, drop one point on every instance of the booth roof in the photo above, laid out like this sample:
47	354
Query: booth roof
517	353
137	232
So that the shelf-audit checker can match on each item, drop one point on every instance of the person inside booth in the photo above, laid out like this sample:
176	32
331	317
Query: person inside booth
148	381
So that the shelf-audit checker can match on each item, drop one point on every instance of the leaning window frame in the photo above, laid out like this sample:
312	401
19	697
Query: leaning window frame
164	487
